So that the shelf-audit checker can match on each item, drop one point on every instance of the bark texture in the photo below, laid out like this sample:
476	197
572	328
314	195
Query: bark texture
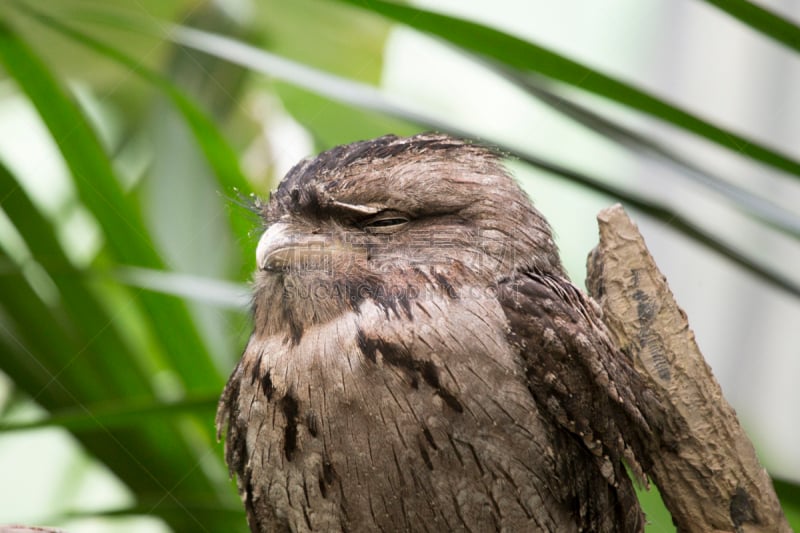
709	476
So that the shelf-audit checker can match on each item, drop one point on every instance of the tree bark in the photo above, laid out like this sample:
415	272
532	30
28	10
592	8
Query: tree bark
708	474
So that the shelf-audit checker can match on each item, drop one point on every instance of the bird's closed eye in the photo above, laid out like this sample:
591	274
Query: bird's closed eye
385	222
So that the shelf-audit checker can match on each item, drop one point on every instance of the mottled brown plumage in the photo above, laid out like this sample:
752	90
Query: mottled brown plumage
419	360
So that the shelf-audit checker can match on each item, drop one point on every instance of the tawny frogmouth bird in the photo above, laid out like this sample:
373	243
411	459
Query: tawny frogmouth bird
420	361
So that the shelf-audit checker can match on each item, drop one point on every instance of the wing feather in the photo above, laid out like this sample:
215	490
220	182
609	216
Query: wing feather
576	373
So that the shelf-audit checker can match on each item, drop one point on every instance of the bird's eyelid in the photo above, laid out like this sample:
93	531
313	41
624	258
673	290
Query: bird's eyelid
360	209
387	221
386	214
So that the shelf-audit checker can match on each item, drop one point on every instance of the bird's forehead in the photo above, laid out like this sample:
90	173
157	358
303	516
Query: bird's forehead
394	172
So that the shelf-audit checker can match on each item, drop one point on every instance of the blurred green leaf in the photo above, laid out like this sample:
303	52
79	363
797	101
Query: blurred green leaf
83	316
213	291
125	235
529	57
71	356
763	20
789	495
333	123
211	515
67	355
68	59
110	415
359	57
349	44
747	201
218	153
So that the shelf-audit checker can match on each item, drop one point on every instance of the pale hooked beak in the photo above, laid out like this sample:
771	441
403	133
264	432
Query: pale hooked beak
282	249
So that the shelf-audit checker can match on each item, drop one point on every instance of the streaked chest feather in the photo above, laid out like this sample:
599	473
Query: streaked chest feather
422	411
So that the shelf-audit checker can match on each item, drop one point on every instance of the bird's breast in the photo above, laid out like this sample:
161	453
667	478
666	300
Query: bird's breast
395	418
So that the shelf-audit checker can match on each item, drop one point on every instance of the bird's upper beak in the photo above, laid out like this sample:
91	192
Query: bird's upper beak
282	247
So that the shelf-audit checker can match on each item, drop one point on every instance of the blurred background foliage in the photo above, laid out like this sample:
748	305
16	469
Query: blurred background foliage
134	134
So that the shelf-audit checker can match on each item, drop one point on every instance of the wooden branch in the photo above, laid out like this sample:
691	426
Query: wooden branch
708	474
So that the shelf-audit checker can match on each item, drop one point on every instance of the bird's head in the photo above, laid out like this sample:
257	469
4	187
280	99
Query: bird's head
387	220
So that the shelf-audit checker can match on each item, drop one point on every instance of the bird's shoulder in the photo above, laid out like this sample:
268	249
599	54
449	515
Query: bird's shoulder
576	373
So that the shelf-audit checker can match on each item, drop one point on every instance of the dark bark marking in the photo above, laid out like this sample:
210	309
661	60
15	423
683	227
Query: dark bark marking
406	305
425	457
238	447
400	477
367	346
649	341
312	423
400	434
422	308
398	356
429	437
323	489
404	514
354	290
393	354
326	477
393	302
290	409
255	371
372	511
286	309
305	495
446	285
266	385
350	292
451	401
457	508
516	493
296	332
455	449
430	373
496	507
248	491
742	511
235	441
328	472
475	457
